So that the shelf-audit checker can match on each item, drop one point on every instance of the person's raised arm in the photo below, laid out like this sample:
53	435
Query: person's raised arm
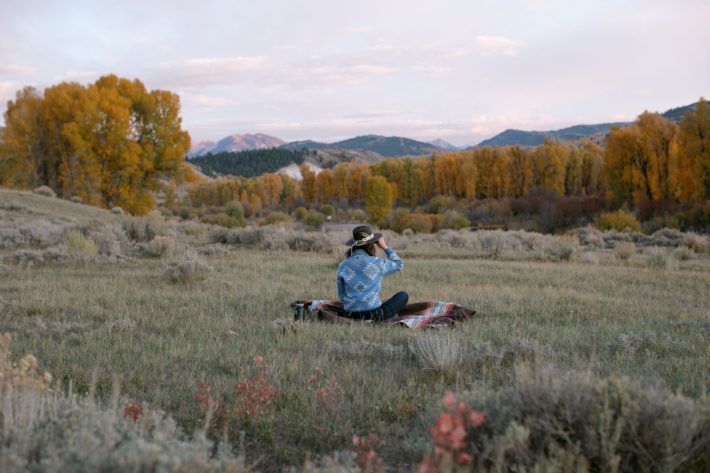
394	263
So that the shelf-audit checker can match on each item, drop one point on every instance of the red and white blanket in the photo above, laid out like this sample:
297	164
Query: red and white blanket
415	315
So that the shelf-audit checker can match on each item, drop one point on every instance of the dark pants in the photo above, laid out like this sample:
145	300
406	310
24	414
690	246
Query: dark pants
387	310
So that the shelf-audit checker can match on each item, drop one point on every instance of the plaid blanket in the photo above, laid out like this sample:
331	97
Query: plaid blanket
415	315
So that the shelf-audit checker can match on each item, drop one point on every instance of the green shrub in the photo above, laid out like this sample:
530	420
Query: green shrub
397	220
328	210
314	219
188	270
619	220
78	244
565	247
551	420
185	213
300	213
275	218
440	204
222	219
419	223
454	220
235	210
357	215
145	228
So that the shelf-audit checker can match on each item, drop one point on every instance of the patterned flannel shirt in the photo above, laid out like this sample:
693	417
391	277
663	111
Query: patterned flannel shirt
360	278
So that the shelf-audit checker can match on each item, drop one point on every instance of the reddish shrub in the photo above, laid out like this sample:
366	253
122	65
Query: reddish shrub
450	434
327	391
134	409
365	454
255	393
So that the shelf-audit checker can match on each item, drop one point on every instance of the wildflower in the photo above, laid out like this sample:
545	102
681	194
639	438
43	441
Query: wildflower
134	409
254	393
449	434
365	454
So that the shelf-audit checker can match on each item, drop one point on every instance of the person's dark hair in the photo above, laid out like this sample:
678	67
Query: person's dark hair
370	249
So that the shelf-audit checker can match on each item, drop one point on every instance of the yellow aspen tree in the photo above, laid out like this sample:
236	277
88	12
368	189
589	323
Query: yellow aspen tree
520	171
308	184
410	187
626	166
22	153
573	173
549	162
466	175
592	167
274	189
485	164
690	169
378	201
325	186
500	179
657	134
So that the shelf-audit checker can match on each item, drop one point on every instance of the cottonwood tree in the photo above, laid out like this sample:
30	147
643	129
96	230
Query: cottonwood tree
378	200
108	143
691	155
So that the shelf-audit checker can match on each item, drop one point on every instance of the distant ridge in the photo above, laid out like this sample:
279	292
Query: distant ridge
387	146
445	145
535	138
234	143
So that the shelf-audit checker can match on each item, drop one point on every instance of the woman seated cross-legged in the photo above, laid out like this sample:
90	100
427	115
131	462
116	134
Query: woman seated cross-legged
360	276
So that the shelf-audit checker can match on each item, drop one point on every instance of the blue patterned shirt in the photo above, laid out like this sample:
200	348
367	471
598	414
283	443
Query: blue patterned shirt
360	277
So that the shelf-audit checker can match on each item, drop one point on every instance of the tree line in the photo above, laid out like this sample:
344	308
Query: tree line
651	161
114	142
248	163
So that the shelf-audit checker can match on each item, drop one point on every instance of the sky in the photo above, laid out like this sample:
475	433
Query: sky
458	70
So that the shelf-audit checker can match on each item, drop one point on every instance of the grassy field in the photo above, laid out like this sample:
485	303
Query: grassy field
596	364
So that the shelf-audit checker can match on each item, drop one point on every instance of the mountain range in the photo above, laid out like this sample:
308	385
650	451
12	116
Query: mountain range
371	148
598	132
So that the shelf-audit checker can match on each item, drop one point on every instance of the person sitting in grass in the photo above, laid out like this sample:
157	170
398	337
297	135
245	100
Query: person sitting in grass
360	276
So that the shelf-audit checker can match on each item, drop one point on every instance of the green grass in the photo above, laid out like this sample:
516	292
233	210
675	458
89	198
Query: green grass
162	338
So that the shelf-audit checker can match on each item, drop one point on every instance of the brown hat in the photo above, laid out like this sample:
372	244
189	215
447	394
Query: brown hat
363	235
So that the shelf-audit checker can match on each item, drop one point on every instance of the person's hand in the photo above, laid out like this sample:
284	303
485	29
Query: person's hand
382	243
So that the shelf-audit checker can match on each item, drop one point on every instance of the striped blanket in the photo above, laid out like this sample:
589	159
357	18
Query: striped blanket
415	315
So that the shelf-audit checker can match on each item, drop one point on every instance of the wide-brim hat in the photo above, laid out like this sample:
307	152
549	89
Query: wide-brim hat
363	235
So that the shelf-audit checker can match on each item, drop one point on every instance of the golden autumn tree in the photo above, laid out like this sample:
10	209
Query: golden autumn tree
592	167
486	166
626	167
573	173
638	160
409	189
466	175
657	134
519	171
549	162
21	152
690	163
378	200
109	142
308	184
325	187
445	171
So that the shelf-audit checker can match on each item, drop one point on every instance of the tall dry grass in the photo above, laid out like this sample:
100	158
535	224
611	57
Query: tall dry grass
627	322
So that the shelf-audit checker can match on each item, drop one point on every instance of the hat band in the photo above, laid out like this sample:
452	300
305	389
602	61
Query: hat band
366	239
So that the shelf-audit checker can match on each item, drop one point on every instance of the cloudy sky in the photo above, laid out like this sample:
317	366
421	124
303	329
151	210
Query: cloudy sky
460	70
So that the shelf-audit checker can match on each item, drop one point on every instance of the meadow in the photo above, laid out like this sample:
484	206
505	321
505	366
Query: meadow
587	353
